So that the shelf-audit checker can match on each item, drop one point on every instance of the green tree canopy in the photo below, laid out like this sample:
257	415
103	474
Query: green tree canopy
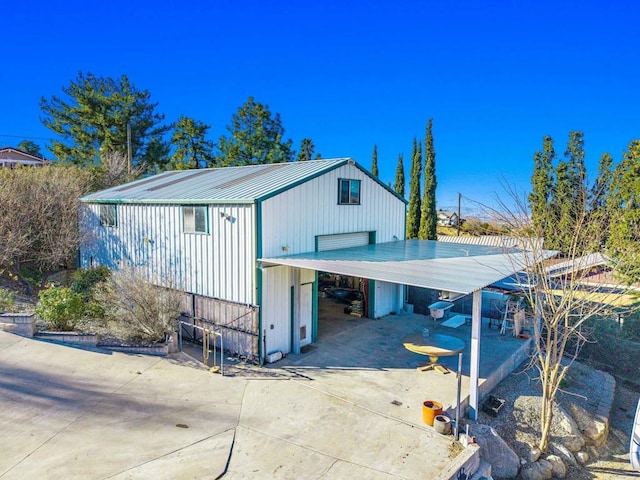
574	156
374	162
624	207
542	184
429	216
30	147
256	137
191	147
414	209
400	181
93	115
306	150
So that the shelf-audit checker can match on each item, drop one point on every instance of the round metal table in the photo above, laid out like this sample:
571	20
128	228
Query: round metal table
434	346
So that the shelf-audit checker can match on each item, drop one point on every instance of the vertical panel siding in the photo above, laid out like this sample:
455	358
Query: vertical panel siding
276	308
219	264
294	218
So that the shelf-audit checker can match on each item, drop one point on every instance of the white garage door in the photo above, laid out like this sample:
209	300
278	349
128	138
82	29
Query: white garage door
343	240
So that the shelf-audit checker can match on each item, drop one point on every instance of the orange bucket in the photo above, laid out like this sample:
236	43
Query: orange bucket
430	409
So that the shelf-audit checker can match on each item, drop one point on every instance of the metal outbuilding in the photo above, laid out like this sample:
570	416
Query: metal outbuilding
246	245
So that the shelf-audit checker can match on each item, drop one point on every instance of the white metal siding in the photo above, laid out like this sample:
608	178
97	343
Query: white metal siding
345	240
219	264
276	309
292	220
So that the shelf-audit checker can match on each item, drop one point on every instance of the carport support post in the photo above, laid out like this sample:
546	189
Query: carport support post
474	374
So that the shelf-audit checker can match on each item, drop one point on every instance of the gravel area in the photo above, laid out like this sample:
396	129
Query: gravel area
518	421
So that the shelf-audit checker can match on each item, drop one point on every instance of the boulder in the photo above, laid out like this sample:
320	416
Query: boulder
582	457
559	469
494	450
567	430
540	470
594	427
534	454
564	453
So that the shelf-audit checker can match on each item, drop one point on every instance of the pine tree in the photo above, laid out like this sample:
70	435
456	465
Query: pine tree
429	219
93	116
192	149
413	212
306	150
374	162
400	181
256	137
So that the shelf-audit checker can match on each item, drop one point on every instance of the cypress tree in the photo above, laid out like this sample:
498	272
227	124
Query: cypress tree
400	181
562	211
599	197
574	156
429	219
374	162
624	210
413	212
602	184
542	183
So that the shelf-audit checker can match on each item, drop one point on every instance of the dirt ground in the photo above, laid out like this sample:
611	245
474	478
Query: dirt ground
614	463
609	462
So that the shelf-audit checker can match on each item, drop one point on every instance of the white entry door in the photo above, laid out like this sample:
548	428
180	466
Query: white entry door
306	306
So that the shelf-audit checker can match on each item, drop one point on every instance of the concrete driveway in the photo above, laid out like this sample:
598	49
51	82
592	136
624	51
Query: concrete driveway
350	409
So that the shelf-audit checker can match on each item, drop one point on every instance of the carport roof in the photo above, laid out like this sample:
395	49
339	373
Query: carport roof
454	267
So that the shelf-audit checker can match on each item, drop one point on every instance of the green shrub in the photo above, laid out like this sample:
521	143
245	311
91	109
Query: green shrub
7	300
61	308
84	279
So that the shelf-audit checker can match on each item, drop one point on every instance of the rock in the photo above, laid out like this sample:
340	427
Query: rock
559	469
534	454
494	450
567	430
594	427
582	457
564	453
540	470
593	452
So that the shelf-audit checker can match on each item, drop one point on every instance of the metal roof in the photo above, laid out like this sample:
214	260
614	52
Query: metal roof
503	241
577	264
453	267
220	185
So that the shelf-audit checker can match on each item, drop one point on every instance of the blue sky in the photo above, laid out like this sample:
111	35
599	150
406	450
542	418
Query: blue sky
494	76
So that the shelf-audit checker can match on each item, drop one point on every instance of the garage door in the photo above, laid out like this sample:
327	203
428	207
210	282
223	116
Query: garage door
343	240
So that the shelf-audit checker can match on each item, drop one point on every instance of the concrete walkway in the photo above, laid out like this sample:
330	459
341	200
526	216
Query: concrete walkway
350	408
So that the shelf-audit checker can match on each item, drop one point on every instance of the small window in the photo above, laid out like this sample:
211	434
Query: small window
348	192
108	217
195	219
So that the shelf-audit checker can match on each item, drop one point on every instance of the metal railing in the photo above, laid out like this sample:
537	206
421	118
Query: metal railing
206	343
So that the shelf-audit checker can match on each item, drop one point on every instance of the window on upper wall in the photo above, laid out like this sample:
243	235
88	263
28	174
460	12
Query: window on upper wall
348	192
108	215
195	219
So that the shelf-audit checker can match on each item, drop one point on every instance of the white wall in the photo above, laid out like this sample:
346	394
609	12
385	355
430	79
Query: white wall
385	300
276	308
219	264
295	217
